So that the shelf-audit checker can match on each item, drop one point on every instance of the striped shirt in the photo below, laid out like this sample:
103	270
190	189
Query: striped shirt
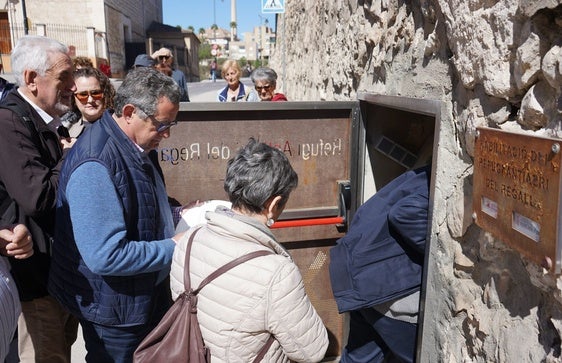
9	307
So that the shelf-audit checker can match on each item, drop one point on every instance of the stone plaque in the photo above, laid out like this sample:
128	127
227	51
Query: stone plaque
516	192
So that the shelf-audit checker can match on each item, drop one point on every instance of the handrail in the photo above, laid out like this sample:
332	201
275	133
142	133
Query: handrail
307	222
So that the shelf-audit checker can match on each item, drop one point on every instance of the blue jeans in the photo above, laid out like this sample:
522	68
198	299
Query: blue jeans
108	344
375	338
116	344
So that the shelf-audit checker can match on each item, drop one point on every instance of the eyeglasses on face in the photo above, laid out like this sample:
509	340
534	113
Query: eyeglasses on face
261	88
163	57
162	126
96	94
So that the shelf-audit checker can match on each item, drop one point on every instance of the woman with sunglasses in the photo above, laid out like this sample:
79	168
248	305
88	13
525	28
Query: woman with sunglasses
265	81
94	94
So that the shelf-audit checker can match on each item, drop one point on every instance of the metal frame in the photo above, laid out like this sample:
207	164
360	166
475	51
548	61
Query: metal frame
434	109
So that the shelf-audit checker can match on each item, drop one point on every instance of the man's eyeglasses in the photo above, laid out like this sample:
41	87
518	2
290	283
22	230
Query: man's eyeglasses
162	126
96	94
260	88
163	57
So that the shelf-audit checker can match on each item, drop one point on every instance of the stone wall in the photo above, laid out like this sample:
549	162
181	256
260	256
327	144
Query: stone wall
491	63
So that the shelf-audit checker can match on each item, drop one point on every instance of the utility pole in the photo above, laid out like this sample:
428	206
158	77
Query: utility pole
260	49
24	12
215	21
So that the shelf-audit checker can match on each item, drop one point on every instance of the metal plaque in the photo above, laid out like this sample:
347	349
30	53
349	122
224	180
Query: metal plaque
516	194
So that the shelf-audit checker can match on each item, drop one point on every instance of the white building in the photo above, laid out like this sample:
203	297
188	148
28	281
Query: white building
110	32
256	45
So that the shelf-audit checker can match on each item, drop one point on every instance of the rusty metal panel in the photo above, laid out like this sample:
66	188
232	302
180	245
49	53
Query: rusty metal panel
517	192
313	259
317	139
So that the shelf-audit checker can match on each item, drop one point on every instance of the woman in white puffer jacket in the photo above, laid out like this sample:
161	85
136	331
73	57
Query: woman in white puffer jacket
265	296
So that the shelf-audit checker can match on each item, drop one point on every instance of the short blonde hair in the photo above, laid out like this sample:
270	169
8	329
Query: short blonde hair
231	63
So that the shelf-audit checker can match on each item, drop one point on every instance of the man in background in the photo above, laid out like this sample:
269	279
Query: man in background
165	63
143	60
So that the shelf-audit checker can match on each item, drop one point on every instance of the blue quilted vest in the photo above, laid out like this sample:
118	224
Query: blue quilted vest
108	300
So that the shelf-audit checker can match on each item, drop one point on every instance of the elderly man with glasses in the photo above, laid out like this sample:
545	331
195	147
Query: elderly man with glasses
165	64
114	237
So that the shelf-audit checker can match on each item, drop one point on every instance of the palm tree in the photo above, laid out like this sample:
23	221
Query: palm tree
201	33
191	28
214	27
233	31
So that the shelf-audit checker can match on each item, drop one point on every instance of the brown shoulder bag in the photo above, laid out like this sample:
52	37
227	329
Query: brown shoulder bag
177	338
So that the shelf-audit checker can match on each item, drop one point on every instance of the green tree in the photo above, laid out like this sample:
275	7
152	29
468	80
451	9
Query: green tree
205	51
233	24
191	28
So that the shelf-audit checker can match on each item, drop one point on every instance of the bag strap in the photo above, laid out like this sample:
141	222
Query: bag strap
28	122
264	349
217	273
15	108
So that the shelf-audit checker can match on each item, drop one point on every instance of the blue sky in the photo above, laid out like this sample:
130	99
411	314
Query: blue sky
200	14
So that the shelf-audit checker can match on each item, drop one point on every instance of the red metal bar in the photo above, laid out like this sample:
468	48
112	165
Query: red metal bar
307	222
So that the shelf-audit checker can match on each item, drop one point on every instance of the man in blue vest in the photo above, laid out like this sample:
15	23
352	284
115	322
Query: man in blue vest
376	271
114	236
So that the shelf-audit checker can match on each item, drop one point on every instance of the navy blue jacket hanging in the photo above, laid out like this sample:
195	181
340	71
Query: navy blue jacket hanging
381	257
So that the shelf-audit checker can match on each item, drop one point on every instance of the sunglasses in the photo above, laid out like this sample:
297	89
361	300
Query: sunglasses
83	96
162	126
163	57
260	88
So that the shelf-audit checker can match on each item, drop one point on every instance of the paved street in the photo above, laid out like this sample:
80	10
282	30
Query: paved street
206	91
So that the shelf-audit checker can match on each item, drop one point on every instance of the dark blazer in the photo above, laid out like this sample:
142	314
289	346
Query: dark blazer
381	257
29	174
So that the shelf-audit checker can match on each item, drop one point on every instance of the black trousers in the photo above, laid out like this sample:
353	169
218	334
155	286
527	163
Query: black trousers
375	338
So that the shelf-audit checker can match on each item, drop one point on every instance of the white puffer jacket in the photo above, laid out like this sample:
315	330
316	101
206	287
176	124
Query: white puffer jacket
238	311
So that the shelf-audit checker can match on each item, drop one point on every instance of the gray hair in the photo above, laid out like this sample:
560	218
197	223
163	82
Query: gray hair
32	52
143	87
255	174
264	74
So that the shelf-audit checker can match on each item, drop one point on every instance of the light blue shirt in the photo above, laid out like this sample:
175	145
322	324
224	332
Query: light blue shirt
100	229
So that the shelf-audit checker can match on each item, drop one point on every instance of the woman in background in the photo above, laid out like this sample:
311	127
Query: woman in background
265	81
94	94
264	297
234	90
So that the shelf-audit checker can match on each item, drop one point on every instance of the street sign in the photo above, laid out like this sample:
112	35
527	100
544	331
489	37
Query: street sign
272	6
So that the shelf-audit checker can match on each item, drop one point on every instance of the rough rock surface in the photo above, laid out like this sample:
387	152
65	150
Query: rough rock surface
493	63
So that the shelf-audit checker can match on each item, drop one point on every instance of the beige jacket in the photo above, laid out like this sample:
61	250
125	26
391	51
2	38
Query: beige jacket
238	311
